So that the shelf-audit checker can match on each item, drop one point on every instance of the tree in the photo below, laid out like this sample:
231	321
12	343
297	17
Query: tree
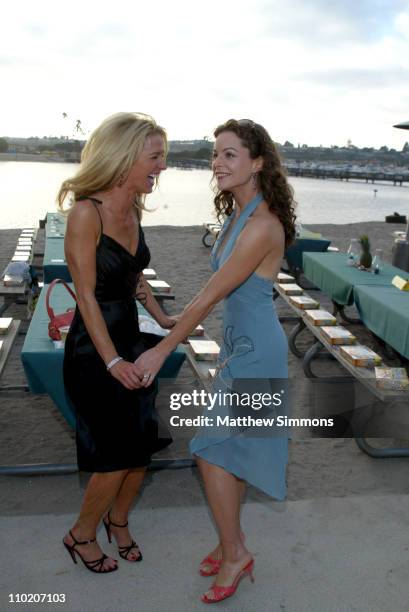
288	144
78	127
4	145
71	146
405	148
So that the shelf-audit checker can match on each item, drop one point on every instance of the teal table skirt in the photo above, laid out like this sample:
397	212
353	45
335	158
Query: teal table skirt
385	311
43	362
55	225
294	253
54	264
330	272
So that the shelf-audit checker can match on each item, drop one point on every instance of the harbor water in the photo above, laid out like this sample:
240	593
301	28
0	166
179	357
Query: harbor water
184	197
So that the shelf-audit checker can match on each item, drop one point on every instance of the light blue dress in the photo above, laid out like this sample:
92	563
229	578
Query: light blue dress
254	346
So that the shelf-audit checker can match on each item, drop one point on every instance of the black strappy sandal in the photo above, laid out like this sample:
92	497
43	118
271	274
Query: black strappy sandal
93	566
123	551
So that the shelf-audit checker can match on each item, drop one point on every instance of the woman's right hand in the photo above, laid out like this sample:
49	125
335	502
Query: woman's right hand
125	373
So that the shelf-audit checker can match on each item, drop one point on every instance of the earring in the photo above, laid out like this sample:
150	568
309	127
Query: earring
254	179
121	180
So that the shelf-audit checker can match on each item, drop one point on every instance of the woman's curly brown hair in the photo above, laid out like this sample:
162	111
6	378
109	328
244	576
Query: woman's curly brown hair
276	190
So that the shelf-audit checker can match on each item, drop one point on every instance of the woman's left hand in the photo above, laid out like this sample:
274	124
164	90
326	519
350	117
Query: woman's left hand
148	365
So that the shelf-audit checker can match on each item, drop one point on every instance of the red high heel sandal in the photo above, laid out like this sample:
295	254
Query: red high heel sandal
214	566
223	592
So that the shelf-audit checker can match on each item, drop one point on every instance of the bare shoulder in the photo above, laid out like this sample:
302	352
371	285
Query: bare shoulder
264	227
83	219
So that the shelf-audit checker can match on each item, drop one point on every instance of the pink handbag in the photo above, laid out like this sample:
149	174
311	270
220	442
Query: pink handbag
60	320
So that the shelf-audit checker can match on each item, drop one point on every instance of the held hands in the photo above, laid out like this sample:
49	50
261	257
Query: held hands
127	374
148	365
141	373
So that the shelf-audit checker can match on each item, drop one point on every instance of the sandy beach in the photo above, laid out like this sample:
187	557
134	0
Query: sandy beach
335	545
33	431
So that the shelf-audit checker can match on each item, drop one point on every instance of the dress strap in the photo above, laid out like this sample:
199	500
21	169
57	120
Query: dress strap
222	234
231	238
246	213
250	208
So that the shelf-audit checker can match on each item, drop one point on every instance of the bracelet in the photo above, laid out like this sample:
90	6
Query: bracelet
113	362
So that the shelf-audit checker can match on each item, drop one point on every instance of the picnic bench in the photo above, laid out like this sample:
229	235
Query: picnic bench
200	368
6	342
14	289
364	376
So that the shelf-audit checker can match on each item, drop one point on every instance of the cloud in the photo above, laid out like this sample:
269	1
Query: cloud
359	78
319	22
291	64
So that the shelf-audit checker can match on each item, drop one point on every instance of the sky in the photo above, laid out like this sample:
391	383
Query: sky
311	71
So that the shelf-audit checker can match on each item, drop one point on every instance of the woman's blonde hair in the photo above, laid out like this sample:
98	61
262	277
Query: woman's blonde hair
109	155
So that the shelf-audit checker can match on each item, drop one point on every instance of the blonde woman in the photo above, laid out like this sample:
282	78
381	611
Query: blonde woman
106	253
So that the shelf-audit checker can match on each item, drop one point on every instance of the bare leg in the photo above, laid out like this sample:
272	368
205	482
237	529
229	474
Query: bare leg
242	486
100	493
224	496
120	509
216	553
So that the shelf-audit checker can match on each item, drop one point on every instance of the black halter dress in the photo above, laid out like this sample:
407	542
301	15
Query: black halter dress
115	428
